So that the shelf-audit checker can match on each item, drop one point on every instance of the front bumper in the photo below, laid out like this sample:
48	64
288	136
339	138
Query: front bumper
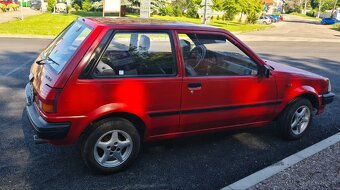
327	98
43	129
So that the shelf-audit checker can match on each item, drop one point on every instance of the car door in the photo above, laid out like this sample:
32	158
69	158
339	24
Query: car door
136	73
222	86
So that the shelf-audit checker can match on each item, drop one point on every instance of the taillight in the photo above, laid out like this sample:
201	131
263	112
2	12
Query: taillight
48	104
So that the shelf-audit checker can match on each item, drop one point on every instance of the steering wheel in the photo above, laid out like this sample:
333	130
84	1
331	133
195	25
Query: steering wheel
196	56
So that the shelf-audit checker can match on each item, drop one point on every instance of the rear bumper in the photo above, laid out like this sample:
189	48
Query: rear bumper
327	98
43	129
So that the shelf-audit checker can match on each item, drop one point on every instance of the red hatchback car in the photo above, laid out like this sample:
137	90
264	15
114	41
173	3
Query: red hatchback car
115	83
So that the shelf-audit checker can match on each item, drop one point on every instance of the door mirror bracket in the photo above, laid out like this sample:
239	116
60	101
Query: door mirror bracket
265	71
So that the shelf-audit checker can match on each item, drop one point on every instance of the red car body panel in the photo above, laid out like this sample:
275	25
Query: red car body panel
165	106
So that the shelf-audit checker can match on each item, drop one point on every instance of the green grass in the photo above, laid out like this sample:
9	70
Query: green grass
52	24
231	26
240	27
336	27
43	24
306	16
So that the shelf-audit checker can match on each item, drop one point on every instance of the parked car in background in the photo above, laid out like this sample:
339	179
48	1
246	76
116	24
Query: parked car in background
114	83
271	18
329	21
6	2
264	20
281	17
36	4
276	17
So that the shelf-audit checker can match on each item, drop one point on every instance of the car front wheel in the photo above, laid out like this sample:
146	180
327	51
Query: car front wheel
112	146
296	119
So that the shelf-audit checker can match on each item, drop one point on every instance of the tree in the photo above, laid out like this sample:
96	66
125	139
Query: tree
86	5
305	7
177	10
334	7
192	7
230	8
324	5
51	4
320	5
157	6
135	2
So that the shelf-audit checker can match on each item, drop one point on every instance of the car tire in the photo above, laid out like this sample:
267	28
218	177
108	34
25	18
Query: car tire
296	119
111	146
265	23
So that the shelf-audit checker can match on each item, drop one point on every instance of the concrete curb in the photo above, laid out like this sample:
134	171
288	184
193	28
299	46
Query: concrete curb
269	171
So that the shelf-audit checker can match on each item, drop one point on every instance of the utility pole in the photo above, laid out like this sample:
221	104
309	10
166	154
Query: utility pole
305	8
334	7
205	12
21	13
320	5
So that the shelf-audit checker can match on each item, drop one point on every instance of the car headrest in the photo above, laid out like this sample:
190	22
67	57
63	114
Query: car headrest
144	43
185	45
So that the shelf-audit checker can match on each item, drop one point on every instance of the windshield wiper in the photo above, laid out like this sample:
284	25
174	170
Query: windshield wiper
40	62
50	59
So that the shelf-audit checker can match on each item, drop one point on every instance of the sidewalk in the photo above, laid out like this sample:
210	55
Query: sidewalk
320	171
15	15
315	167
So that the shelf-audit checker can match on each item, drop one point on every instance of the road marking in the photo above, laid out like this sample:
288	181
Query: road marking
269	171
18	68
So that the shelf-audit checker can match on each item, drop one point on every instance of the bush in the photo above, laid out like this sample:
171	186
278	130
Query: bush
51	4
311	13
252	18
192	12
69	8
87	6
218	17
12	6
177	11
337	26
76	6
169	10
3	7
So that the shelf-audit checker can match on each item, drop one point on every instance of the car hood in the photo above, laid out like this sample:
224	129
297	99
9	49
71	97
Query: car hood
281	68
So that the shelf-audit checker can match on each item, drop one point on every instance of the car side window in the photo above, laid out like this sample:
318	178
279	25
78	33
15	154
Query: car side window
214	55
134	54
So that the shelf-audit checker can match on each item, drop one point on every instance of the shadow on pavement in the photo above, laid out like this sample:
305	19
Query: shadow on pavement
303	21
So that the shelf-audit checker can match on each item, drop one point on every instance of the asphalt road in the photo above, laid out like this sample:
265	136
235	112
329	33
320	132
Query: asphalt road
209	161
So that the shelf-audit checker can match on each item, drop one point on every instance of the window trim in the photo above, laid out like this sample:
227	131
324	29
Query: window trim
230	39
97	57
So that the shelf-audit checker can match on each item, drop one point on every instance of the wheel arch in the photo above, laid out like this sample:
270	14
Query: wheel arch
310	96
134	119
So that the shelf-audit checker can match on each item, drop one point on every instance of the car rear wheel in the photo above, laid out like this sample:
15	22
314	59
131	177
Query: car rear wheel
296	119
112	146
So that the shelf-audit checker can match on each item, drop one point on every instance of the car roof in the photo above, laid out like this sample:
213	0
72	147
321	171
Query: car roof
149	23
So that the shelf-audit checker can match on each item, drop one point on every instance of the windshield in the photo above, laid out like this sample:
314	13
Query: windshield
65	45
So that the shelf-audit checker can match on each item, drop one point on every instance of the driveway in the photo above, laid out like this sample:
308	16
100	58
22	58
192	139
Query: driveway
15	15
295	28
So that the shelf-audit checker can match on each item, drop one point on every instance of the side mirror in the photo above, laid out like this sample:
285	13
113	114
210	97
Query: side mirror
266	71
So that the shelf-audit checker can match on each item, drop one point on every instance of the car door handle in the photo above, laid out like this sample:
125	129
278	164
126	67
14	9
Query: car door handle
194	86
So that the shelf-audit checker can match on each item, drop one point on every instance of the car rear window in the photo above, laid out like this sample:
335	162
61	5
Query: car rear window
66	44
